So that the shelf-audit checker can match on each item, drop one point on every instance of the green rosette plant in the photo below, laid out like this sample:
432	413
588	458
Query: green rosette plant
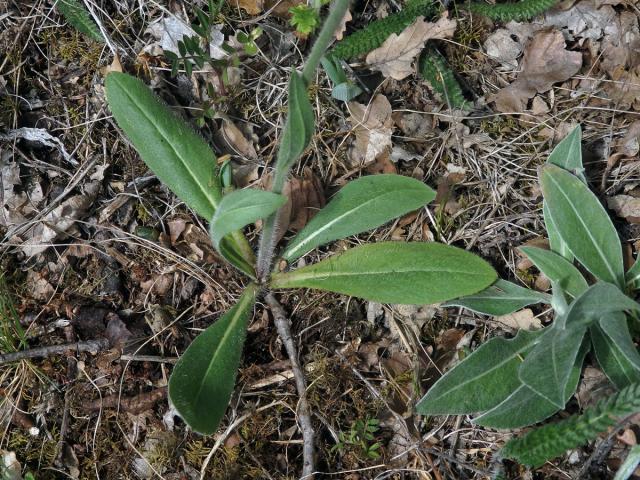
397	272
516	382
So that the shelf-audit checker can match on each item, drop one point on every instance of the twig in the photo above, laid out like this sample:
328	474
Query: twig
303	412
135	405
92	346
603	449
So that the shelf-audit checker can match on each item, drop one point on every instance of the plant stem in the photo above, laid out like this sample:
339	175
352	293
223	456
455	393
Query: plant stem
303	412
269	235
326	35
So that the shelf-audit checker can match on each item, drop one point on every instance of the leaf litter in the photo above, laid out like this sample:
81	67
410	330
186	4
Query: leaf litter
65	252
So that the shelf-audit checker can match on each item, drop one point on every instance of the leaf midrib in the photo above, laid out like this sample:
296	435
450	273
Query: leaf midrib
296	248
496	366
295	276
240	310
163	134
589	234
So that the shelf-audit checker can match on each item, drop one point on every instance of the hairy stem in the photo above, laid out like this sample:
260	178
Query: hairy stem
269	235
303	411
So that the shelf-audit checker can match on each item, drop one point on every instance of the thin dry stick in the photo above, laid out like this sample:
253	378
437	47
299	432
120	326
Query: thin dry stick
92	346
303	412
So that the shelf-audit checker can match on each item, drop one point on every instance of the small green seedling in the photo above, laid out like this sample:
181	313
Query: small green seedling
511	383
361	436
397	272
194	52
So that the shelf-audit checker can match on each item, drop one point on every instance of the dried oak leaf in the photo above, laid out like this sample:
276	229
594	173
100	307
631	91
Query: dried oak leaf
343	25
305	197
372	125
626	206
237	141
546	61
394	58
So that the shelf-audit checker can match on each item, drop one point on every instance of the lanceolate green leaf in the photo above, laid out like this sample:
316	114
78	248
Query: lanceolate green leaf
632	277
179	157
482	380
203	379
617	329
525	407
395	272
615	351
598	300
555	240
361	205
240	208
547	369
583	224
78	16
568	154
299	126
557	269
501	298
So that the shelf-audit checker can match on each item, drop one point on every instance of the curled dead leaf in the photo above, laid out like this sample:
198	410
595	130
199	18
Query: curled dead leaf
394	58
372	126
546	61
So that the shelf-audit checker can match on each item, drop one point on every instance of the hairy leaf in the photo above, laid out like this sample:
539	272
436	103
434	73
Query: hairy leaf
361	205
583	224
395	272
547	369
179	157
202	381
557	269
597	301
240	208
299	126
501	298
482	380
525	407
550	441
77	15
555	240
632	277
615	351
568	155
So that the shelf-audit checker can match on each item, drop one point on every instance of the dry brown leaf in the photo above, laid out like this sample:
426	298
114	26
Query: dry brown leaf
629	145
305	197
394	58
546	61
625	88
372	126
583	20
55	224
522	319
621	43
252	7
626	206
506	44
343	25
237	140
